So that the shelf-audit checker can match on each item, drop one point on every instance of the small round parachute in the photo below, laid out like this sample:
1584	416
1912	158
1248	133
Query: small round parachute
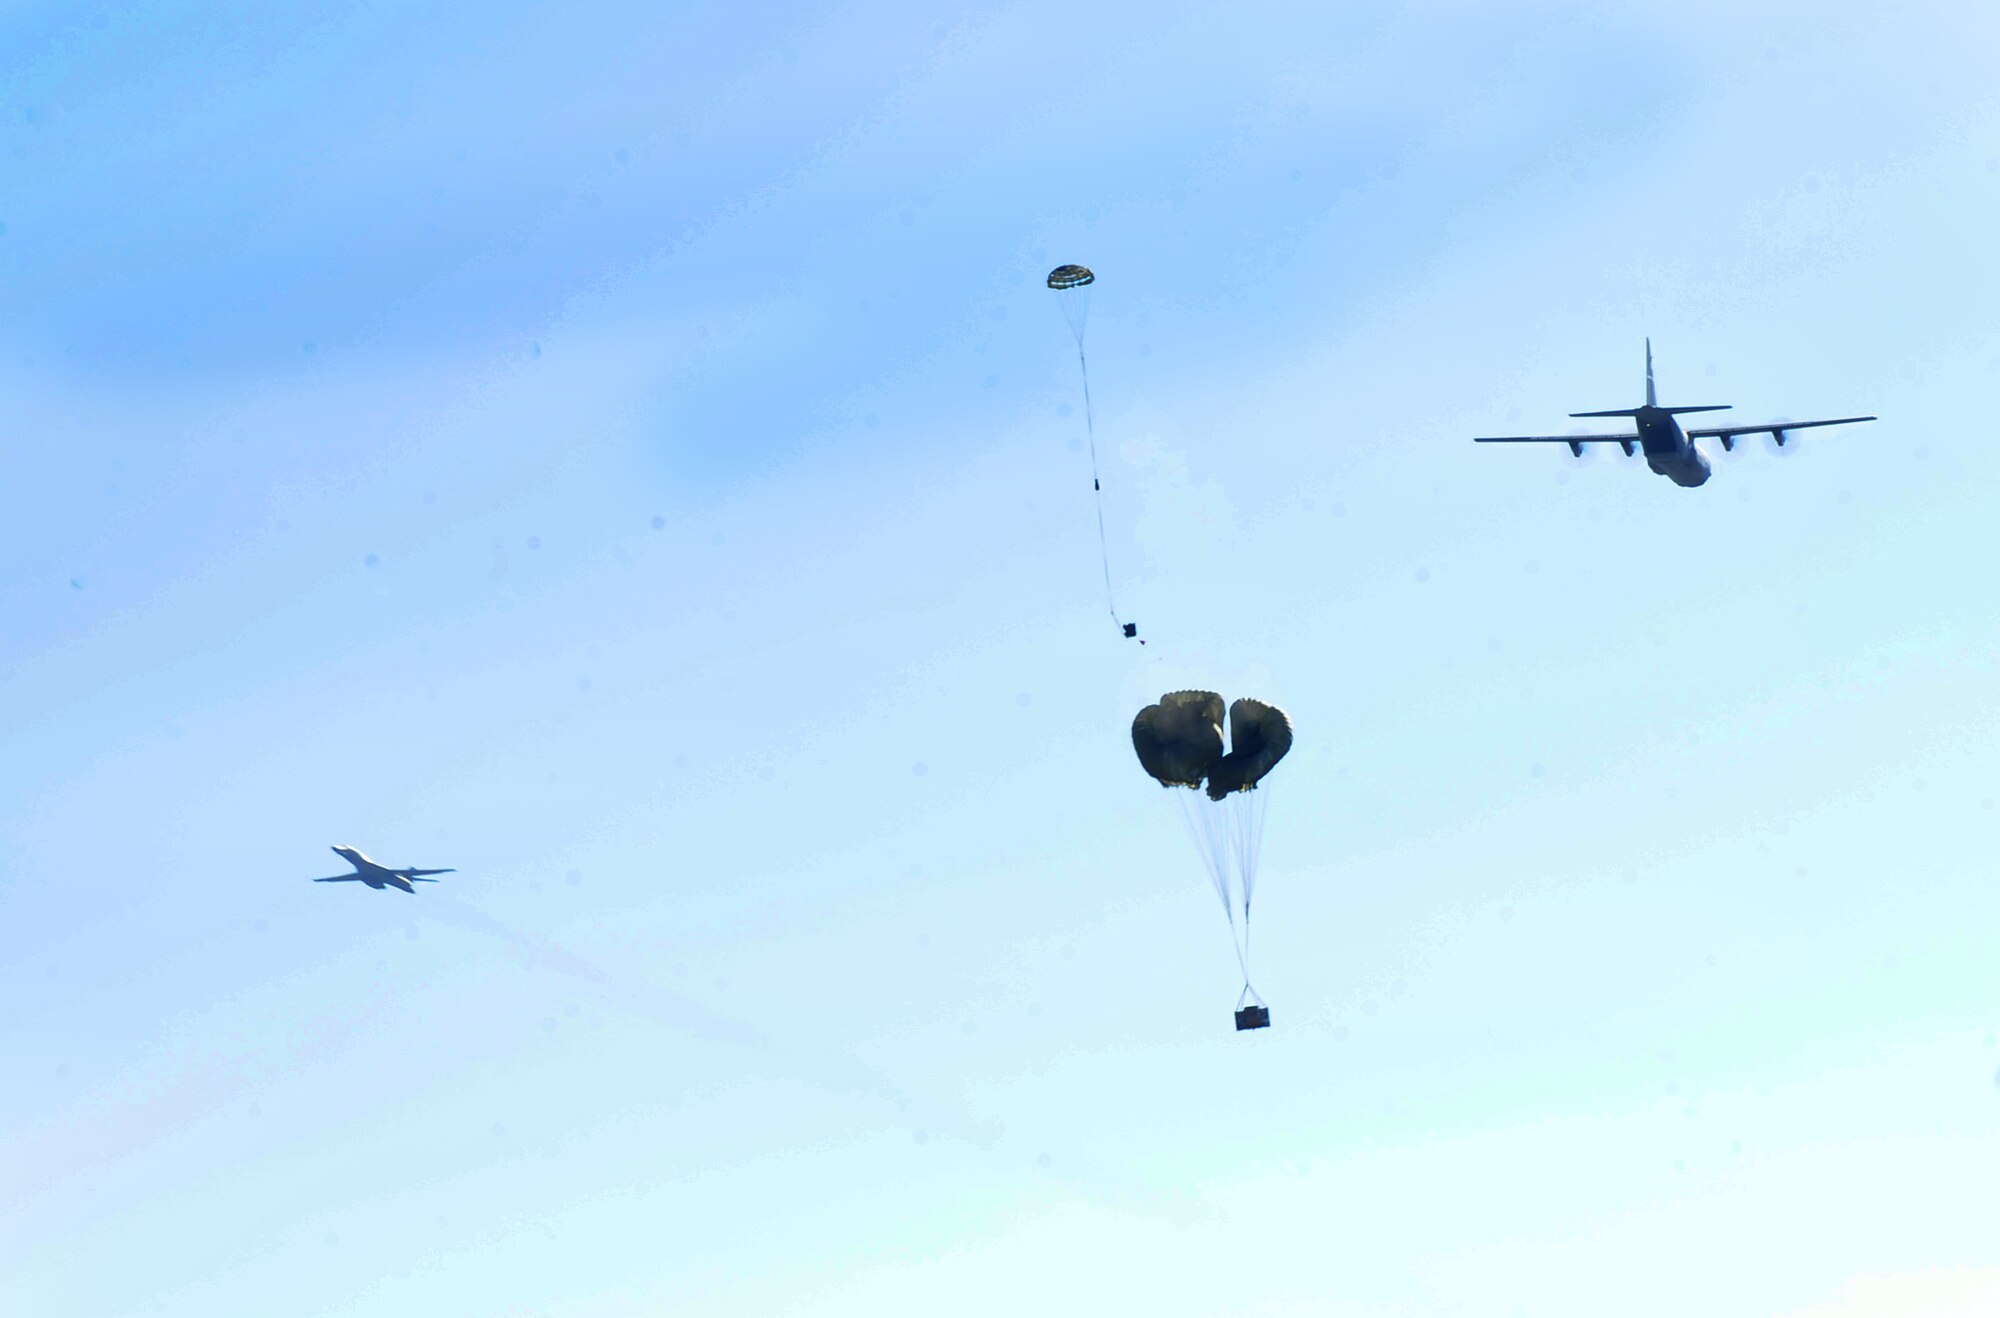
1071	284
1179	743
1072	287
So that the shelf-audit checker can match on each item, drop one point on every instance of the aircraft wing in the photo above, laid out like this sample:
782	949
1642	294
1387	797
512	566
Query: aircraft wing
1627	441
1775	429
341	878
418	874
1627	438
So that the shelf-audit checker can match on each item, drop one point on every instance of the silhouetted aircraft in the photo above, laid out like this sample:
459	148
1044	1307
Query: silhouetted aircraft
1670	451
378	876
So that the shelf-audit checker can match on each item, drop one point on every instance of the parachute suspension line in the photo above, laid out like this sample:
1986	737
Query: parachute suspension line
1247	838
1097	491
1073	283
1097	487
1247	843
1209	826
1211	842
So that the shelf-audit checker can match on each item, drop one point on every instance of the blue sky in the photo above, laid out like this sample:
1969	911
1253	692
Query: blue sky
632	458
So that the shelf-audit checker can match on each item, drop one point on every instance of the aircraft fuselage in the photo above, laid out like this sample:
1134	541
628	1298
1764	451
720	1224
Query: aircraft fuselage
1669	452
375	875
379	876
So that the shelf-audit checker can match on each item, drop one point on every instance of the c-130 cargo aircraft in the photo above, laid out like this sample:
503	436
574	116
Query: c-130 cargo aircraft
1670	451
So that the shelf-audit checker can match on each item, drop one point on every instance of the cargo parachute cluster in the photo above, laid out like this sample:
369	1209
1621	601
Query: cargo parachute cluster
1180	745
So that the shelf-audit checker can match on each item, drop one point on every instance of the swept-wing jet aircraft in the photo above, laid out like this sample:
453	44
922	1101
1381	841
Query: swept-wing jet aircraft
1670	451
378	876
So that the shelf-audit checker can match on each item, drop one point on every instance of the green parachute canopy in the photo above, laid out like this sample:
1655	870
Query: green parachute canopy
1259	736
1179	740
1072	288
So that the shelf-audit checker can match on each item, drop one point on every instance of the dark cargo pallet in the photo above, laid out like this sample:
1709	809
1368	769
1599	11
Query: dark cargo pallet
1253	1018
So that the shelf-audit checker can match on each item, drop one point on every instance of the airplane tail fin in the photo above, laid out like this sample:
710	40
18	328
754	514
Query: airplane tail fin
1653	402
1652	398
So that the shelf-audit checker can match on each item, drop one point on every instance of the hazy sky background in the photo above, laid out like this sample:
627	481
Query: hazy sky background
632	458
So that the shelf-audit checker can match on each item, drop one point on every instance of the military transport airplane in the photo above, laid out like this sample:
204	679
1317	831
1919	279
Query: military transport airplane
378	876
1670	451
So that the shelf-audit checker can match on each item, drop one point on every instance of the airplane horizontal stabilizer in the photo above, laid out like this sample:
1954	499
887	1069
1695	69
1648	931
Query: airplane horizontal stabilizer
1671	411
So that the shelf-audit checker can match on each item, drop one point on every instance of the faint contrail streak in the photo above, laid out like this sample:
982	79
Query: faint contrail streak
835	1071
